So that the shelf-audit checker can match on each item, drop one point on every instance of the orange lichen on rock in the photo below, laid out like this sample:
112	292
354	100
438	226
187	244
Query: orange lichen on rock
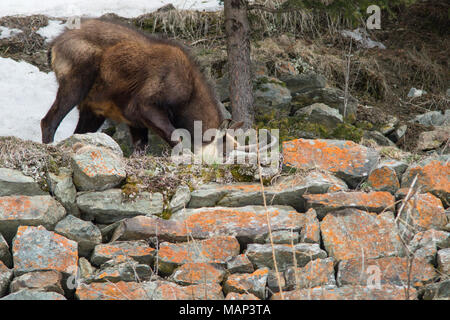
213	250
353	233
385	292
390	270
433	175
111	291
344	157
35	248
384	179
423	212
198	273
376	201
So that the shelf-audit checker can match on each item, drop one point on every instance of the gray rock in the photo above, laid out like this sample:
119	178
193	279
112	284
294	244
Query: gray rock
248	224
110	206
5	254
122	136
378	238
395	271
374	201
34	295
425	244
378	137
319	272
443	260
432	175
180	199
240	264
437	291
389	126
304	82
128	271
271	92
387	292
322	114
98	139
166	290
434	118
274	281
198	273
213	250
332	97
430	140
96	169
261	254
49	281
310	233
5	278
287	191
14	182
345	159
398	166
85	233
85	269
254	283
18	211
139	251
283	237
63	189
36	249
398	133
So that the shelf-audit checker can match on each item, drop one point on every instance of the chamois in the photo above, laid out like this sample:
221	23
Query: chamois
113	71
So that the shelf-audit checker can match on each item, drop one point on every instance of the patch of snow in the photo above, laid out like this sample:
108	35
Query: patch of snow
26	94
415	93
7	33
361	36
52	30
95	8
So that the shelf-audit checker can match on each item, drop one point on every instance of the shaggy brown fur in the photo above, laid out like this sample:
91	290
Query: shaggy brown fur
113	71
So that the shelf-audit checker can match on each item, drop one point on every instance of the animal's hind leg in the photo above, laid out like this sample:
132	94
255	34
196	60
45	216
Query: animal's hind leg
89	121
71	92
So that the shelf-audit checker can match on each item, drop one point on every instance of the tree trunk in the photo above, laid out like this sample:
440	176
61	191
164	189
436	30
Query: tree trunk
238	47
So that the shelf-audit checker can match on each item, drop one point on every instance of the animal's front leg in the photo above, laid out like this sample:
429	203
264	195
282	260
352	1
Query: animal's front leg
139	136
88	121
158	120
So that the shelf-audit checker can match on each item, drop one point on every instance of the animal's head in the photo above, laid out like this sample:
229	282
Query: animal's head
223	143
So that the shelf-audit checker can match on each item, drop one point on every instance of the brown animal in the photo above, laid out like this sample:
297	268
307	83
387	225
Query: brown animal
113	71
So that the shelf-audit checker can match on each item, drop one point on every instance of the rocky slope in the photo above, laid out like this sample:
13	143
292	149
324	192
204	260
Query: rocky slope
319	235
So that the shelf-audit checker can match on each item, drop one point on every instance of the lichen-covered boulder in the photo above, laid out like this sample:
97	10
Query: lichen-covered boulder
96	169
18	211
352	233
346	159
14	182
433	175
111	205
36	249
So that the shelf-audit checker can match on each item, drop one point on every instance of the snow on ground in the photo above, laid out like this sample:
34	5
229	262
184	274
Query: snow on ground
26	94
7	33
92	8
53	29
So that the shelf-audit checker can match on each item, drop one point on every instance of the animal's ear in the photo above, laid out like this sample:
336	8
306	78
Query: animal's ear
225	124
236	125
